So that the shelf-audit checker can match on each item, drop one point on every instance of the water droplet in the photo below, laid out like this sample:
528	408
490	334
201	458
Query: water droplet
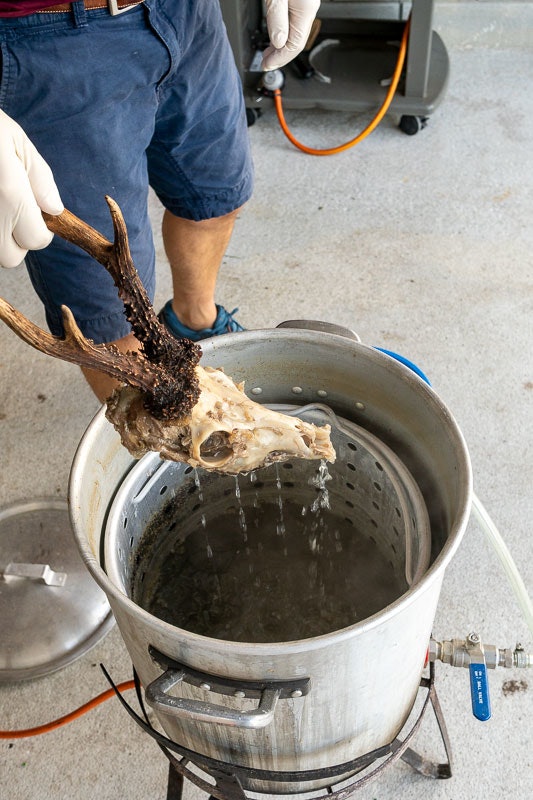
319	481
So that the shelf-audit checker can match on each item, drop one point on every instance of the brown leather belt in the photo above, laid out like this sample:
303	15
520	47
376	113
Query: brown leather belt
113	6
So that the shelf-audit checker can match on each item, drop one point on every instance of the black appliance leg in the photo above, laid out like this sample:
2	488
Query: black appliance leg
175	784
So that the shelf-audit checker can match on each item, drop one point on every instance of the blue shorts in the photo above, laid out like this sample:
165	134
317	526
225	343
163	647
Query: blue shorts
115	104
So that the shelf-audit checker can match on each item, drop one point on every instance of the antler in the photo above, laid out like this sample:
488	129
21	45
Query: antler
164	368
175	406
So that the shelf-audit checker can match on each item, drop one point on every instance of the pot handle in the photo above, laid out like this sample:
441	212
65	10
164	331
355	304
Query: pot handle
322	327
199	711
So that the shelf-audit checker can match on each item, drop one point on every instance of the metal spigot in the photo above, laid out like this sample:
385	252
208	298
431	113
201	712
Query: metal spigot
455	652
521	658
472	653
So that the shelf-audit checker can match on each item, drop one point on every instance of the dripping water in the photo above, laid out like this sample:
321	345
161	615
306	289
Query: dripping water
280	524
208	547
282	564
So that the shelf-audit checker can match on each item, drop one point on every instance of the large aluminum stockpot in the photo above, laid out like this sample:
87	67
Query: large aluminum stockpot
357	686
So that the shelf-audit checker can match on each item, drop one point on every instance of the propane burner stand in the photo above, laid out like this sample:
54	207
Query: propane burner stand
228	777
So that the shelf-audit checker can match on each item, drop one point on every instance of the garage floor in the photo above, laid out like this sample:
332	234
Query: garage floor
422	245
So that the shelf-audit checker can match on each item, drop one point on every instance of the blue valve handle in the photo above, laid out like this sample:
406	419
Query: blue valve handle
479	691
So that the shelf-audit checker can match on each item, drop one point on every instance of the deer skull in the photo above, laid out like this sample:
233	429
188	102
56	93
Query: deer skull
225	431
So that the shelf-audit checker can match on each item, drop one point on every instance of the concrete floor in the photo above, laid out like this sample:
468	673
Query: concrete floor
422	245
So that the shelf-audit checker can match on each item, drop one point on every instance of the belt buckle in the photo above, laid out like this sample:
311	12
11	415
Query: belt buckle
114	10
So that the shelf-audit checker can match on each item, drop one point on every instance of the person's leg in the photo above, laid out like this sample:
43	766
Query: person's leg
195	251
199	160
81	119
93	125
104	385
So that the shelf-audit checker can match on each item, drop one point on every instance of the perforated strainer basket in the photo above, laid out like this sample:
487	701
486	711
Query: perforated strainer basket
166	510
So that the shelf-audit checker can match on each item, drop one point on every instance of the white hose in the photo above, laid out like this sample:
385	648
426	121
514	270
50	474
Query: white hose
509	566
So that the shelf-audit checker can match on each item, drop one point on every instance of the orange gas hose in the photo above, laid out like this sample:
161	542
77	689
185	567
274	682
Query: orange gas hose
369	128
50	726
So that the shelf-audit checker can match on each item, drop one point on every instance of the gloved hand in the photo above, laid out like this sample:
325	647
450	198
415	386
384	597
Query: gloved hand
289	24
26	186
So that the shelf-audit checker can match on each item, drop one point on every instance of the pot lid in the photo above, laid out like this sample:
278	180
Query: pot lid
51	608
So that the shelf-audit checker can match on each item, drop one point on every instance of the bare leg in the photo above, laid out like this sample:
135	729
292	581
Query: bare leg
195	251
103	385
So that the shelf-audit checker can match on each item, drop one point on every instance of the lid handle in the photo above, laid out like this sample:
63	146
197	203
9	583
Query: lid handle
40	573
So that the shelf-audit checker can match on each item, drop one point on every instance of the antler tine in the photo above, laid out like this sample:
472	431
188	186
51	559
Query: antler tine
132	368
116	258
139	310
157	343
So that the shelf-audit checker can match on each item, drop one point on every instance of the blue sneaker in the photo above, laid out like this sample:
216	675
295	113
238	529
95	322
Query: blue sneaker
224	323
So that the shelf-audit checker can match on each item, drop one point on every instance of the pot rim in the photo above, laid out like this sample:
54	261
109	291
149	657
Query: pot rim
434	572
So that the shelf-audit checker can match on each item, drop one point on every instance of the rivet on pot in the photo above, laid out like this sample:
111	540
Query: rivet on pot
257	390
296	693
239	693
360	406
322	393
205	686
297	390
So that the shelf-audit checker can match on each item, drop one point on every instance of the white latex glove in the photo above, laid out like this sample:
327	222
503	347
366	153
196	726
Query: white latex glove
26	186
289	24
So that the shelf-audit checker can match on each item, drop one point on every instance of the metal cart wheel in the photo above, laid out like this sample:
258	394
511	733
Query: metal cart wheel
411	124
251	115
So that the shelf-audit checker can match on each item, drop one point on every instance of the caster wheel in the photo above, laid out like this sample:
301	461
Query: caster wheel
251	115
411	125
